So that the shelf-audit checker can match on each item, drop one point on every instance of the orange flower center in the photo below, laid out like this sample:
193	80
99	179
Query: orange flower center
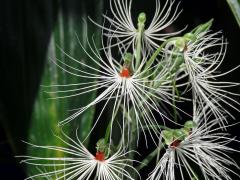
125	72
100	156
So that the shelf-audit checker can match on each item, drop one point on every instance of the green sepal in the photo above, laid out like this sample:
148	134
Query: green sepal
179	134
189	125
190	37
168	136
185	131
202	28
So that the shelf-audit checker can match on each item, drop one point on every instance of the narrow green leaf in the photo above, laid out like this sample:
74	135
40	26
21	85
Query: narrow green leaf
235	7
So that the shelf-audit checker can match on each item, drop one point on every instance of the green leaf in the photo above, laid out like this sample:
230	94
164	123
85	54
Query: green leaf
235	7
48	111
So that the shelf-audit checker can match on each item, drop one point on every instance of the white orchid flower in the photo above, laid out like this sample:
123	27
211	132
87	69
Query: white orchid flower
80	163
202	67
122	26
131	89
204	146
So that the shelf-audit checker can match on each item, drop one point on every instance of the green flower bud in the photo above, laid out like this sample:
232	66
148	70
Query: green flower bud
101	146
190	37
189	125
142	18
180	43
128	58
167	136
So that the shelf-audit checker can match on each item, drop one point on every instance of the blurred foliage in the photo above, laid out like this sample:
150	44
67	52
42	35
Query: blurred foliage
48	111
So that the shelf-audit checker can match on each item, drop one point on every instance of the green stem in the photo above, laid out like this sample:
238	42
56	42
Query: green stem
155	54
150	157
108	131
139	47
107	134
140	30
174	100
149	127
195	177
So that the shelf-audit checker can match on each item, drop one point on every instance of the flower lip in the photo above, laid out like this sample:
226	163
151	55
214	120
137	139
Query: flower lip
175	143
100	156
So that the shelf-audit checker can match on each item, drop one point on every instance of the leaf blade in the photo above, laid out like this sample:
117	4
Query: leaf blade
235	7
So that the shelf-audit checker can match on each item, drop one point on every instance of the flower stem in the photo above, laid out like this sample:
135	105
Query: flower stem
139	46
109	127
159	49
140	30
150	157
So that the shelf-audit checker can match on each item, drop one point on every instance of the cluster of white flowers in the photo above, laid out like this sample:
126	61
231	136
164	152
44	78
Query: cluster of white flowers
144	82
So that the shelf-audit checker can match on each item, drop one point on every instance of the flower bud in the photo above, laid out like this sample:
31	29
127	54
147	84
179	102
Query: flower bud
101	146
142	18
202	28
128	58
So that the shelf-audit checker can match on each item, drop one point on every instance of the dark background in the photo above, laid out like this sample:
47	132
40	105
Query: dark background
25	28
